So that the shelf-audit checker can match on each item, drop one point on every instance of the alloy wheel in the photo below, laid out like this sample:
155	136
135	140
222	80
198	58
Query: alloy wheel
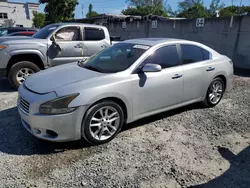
104	123
23	73
216	92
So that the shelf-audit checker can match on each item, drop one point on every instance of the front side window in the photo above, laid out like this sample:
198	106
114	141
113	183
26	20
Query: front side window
46	31
93	34
166	56
117	58
192	54
68	34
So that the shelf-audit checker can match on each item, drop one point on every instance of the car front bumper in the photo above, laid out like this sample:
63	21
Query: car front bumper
57	128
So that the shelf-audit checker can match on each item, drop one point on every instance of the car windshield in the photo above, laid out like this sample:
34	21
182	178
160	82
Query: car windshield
3	32
116	58
45	32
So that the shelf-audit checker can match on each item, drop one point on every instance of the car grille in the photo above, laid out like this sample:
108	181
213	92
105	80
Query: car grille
24	105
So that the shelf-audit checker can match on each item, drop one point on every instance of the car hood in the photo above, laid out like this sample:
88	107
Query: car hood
49	80
20	40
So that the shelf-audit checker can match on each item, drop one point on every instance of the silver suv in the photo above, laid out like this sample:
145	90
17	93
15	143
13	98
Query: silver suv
53	45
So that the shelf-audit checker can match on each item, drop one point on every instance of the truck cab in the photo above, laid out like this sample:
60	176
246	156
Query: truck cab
53	45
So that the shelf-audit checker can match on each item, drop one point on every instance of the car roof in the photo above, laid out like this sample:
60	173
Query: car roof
152	41
83	24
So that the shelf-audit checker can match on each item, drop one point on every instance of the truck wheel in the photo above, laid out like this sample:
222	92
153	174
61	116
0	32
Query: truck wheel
19	71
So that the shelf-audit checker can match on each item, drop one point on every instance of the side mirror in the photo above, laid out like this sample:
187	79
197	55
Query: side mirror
54	44
151	68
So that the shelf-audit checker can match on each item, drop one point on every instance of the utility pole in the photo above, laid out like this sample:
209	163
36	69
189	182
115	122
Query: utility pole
82	11
152	5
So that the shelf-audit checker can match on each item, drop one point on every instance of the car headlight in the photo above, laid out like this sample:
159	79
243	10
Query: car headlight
58	106
3	46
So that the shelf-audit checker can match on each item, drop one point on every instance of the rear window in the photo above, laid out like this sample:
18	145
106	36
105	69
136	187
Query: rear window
192	54
93	34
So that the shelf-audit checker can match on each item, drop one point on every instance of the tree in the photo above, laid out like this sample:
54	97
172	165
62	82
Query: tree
39	19
214	6
235	10
58	11
145	7
91	13
192	9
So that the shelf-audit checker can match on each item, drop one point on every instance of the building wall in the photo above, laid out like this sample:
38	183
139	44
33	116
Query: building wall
228	35
18	13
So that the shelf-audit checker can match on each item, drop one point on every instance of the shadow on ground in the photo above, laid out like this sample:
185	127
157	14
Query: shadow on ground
5	86
242	72
237	176
16	140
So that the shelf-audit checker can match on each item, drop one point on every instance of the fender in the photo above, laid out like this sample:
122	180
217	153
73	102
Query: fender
29	51
91	101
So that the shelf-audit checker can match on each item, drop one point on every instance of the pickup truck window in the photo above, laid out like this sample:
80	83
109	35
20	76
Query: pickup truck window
45	31
68	34
93	34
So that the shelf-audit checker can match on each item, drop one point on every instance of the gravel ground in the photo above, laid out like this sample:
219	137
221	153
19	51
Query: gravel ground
188	147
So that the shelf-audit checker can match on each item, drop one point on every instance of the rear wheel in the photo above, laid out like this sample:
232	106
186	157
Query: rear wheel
215	92
19	71
103	122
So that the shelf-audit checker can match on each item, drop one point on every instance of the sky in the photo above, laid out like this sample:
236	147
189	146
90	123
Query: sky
116	6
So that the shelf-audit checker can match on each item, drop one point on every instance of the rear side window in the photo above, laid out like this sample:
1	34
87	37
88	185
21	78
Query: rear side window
192	54
166	56
93	34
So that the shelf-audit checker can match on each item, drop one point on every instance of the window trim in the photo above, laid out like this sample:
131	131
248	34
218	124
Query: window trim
97	28
137	69
210	55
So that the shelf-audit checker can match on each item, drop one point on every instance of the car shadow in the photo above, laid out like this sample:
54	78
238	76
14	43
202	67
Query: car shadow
5	86
150	119
242	72
16	140
238	175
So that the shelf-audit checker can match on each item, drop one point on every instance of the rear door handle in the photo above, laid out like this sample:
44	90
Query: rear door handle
176	76
78	46
210	69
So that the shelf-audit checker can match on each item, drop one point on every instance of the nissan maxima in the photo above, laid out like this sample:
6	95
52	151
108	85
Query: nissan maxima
92	99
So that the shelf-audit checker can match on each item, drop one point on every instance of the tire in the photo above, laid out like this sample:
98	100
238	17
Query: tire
88	132
26	67
212	102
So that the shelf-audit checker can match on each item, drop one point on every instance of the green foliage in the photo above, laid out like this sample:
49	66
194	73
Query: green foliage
91	13
39	19
58	11
145	7
196	10
235	10
215	5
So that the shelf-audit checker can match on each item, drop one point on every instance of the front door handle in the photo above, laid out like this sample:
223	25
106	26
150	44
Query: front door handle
78	46
176	76
210	69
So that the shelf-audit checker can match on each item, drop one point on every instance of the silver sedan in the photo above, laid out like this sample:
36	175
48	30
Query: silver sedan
92	99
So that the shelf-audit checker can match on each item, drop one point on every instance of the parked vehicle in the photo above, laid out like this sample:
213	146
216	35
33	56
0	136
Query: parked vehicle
128	81
4	31
53	45
23	33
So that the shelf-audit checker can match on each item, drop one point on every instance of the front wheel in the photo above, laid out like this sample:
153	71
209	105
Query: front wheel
103	122
215	92
19	71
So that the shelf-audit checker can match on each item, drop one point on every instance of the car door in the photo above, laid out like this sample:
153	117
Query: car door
152	91
94	40
70	41
197	69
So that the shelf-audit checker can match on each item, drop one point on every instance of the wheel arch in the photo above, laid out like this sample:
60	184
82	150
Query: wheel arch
32	57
